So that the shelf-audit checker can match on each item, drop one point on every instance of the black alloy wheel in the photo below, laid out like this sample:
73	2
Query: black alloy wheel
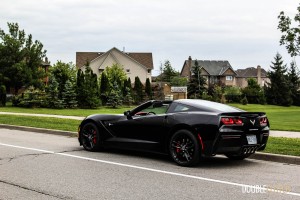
184	148
90	137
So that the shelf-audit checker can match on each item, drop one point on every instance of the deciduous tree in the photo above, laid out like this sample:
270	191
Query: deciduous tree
290	34
63	72
253	92
115	73
20	58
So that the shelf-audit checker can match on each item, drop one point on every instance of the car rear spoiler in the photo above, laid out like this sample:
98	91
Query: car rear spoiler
244	114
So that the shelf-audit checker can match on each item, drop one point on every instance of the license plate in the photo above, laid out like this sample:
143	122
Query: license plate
251	139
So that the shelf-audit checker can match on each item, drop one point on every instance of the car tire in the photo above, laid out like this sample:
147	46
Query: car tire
184	148
237	156
90	137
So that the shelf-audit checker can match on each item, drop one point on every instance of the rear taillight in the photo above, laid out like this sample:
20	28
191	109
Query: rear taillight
232	121
263	121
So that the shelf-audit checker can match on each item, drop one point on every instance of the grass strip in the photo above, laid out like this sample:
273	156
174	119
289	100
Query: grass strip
285	146
41	122
68	112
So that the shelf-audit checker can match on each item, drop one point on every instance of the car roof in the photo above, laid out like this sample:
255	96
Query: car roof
210	106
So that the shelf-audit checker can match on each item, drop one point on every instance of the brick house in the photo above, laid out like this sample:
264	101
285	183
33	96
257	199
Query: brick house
215	72
133	63
45	67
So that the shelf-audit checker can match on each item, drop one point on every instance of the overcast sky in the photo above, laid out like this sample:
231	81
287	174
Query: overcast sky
242	32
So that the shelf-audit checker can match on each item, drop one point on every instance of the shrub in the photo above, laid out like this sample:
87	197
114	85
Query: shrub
232	94
30	98
2	95
244	101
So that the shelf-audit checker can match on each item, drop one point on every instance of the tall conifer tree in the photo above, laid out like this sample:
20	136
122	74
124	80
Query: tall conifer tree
278	92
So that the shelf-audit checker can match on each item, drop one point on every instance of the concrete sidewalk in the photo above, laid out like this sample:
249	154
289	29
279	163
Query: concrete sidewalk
288	134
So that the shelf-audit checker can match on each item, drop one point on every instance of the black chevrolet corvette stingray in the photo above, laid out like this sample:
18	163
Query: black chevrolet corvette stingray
185	129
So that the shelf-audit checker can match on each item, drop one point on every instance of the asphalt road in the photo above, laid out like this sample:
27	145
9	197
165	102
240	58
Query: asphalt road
43	166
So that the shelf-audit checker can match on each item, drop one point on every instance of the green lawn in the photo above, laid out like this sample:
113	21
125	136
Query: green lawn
41	122
69	112
286	146
281	118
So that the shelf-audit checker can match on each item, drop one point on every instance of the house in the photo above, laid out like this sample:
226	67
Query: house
257	73
133	63
45	67
215	72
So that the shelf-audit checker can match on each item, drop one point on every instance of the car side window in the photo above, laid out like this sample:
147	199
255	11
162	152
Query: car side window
153	110
178	107
157	110
181	108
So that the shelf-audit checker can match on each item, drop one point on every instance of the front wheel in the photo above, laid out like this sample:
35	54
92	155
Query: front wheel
184	148
90	137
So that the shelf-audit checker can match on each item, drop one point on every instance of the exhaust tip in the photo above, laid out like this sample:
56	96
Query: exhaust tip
249	150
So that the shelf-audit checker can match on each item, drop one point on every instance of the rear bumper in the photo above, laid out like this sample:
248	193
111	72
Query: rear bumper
236	142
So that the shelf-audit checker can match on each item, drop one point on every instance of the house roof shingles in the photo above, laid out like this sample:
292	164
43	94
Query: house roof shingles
213	67
142	58
250	72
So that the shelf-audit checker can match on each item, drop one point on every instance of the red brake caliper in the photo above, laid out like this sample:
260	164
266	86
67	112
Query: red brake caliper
95	138
177	147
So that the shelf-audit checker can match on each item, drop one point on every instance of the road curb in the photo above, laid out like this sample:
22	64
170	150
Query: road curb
276	158
39	130
258	155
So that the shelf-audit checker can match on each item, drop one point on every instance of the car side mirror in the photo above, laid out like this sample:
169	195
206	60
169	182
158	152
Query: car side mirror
127	114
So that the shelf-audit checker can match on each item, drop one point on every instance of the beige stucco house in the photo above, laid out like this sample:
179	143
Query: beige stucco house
134	64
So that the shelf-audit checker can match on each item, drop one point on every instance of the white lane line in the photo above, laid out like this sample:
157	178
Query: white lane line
27	148
156	170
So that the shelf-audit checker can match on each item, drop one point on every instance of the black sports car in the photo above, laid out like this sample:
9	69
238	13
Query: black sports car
185	129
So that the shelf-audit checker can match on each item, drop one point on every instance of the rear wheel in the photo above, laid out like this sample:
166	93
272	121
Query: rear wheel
184	148
90	137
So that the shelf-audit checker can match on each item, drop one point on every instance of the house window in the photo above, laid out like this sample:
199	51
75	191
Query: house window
229	78
213	80
149	71
101	70
127	70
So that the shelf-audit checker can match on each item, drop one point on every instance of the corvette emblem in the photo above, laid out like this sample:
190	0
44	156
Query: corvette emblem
252	122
